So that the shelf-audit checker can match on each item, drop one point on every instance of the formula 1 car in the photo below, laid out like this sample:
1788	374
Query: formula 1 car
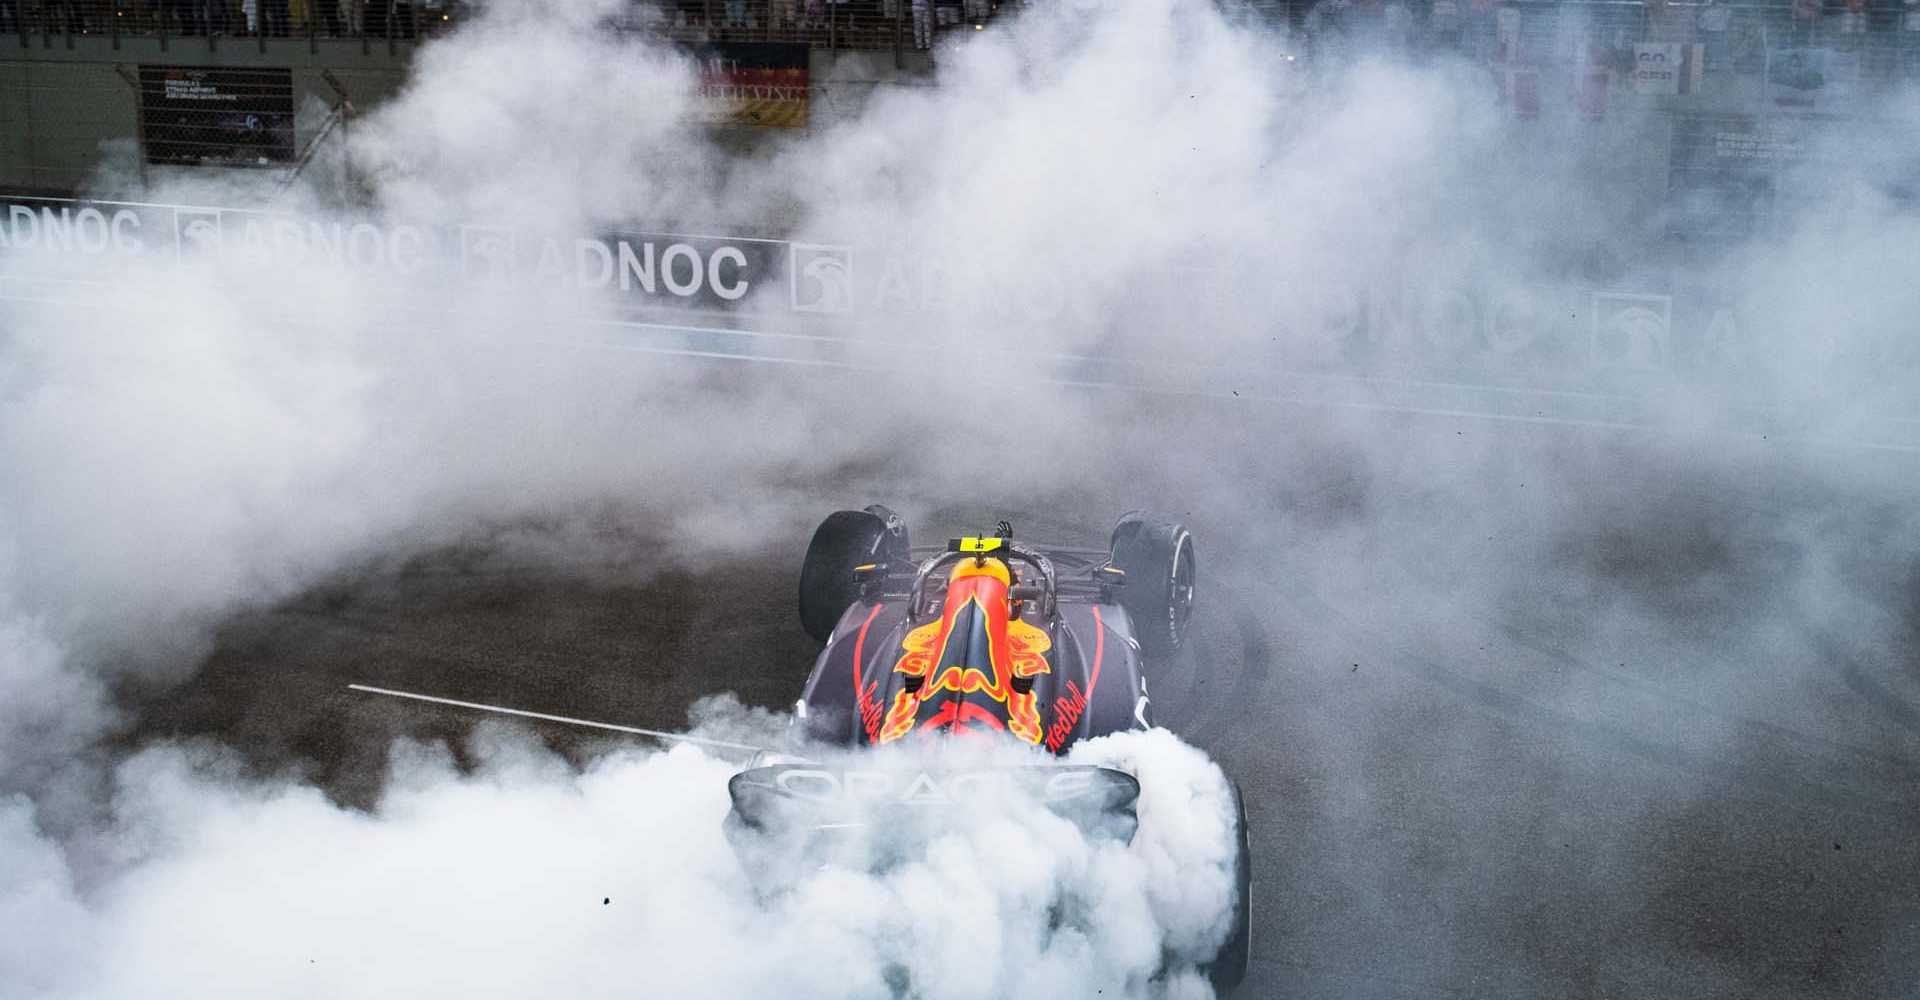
989	638
987	634
987	641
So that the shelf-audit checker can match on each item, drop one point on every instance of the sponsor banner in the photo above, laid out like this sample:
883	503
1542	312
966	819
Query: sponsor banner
1520	327
216	116
645	269
1656	68
94	228
751	83
650	268
1528	331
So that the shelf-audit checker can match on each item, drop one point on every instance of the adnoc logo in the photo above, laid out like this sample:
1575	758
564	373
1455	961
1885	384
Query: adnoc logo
487	254
821	277
197	232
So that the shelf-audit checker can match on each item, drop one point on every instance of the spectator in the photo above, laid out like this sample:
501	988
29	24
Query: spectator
1806	17
185	15
1910	40
1443	24
1397	24
1853	22
389	19
1714	19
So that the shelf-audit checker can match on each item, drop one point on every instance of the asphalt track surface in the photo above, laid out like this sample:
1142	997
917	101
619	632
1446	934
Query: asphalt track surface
1456	790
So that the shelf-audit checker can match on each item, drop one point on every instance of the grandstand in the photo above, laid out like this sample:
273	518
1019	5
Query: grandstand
1717	94
1874	40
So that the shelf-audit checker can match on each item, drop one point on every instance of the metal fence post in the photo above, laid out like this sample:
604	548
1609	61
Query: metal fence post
346	161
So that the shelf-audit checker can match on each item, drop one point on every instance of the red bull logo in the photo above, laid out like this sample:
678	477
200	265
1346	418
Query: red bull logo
976	647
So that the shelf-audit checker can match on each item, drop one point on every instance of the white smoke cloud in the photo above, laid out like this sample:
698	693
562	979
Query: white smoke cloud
524	877
190	441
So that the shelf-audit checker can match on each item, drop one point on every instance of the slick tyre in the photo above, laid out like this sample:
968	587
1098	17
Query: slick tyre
1158	558
846	539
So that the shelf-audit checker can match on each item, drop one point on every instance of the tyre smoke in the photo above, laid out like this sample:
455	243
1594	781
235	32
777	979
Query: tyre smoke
1122	249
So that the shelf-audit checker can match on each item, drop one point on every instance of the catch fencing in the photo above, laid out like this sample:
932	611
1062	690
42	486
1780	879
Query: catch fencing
265	20
871	25
875	25
1865	40
1789	43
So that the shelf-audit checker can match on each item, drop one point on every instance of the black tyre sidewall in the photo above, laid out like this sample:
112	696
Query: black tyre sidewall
1148	552
847	538
1229	967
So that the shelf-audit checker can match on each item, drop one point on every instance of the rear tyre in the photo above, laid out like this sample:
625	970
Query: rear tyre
846	539
1158	558
1229	966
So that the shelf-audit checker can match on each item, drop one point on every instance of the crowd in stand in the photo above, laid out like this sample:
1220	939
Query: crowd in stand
876	24
1875	39
271	18
1499	30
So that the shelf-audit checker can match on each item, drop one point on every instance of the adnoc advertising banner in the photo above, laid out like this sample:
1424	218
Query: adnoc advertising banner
1518	331
642	269
751	83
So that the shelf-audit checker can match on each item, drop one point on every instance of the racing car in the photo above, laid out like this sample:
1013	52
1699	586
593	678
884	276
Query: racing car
986	634
984	641
982	638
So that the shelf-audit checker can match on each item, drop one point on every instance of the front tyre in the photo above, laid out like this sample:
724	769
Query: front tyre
1158	559
846	539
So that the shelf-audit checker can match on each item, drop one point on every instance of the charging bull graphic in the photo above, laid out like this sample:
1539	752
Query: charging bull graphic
978	648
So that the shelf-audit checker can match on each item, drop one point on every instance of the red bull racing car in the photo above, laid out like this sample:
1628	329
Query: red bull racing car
982	639
986	635
982	644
